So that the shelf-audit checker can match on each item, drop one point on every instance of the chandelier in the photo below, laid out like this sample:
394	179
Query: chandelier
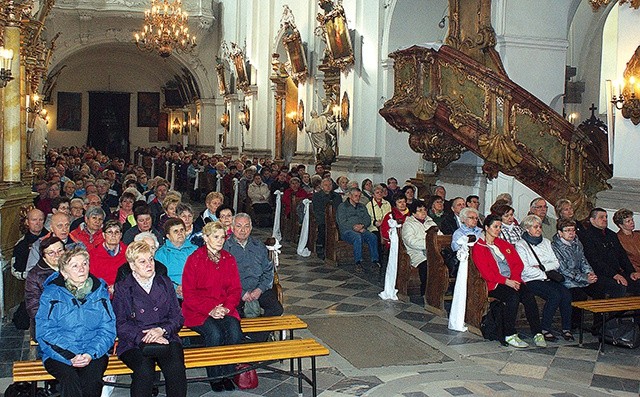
165	29
596	4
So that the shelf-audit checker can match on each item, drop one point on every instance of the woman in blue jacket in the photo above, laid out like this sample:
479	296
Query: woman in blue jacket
75	326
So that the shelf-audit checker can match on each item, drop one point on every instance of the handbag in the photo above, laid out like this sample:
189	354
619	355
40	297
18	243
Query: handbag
622	332
552	275
154	349
247	379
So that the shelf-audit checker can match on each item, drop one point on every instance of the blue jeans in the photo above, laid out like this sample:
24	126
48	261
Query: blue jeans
225	331
355	239
555	296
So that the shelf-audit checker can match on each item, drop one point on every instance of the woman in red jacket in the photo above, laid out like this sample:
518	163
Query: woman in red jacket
211	289
501	267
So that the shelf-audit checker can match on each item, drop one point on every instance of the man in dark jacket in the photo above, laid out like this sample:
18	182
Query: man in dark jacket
320	201
353	220
605	254
36	230
451	221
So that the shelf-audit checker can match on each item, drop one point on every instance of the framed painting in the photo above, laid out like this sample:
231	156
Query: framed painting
148	109
69	111
336	34
297	57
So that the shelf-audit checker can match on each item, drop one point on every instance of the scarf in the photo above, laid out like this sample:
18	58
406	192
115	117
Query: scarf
530	239
81	291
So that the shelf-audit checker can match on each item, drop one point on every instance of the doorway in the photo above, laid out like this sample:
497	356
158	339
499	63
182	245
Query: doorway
109	123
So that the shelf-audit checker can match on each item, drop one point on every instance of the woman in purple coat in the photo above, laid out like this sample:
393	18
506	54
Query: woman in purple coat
148	319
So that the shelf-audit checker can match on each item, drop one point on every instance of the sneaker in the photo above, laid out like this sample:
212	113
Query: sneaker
515	341
538	339
359	268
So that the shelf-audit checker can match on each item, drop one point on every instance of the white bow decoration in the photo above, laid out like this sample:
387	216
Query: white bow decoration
459	302
390	292
276	218
304	231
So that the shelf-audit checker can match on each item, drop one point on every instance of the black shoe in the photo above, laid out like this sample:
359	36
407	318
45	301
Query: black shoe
359	268
228	384
217	386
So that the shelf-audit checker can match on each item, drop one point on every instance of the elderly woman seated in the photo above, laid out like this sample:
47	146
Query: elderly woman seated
413	236
539	259
579	277
629	238
75	326
469	226
148	319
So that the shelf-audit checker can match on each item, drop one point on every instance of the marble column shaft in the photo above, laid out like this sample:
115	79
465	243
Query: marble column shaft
11	164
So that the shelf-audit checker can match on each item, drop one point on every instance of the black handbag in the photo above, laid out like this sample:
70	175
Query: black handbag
552	275
622	332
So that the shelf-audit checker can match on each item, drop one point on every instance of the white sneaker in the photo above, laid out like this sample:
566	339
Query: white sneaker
515	341
538	339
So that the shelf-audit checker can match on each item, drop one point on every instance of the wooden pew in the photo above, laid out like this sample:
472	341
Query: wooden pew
408	278
338	252
437	271
477	298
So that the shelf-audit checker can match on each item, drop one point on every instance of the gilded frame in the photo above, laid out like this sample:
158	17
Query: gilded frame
242	78
337	38
297	57
222	81
344	111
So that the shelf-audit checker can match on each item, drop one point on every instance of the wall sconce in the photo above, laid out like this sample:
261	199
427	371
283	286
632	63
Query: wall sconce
6	56
623	97
36	108
245	117
297	117
175	126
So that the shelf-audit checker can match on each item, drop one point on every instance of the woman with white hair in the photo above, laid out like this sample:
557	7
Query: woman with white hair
469	226
538	258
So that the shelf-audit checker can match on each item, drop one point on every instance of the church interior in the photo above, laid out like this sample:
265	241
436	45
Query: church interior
483	97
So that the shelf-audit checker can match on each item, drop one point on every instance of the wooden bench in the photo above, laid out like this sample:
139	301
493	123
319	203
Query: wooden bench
408	278
338	252
437	271
260	355
602	307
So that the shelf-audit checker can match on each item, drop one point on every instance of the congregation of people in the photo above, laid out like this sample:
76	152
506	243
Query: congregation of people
109	251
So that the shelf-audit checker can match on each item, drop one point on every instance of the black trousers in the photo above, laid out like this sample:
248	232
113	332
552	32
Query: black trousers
512	298
144	368
78	382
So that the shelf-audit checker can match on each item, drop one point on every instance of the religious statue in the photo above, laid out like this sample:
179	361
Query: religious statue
322	130
38	140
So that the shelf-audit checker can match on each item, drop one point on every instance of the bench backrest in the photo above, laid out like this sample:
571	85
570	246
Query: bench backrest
437	271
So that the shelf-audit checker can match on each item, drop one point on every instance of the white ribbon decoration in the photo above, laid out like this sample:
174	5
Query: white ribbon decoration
153	167
173	175
218	182
166	170
304	231
236	182
459	303
197	181
276	251
390	292
276	218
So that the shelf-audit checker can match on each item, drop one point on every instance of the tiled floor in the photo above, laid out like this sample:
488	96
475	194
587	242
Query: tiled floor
473	367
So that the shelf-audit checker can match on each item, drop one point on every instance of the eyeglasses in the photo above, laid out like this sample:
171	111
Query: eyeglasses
569	230
57	252
541	206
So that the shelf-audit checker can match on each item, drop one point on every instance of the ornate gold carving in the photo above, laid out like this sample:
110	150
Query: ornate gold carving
335	33
596	4
344	111
425	108
499	149
631	104
293	44
436	146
